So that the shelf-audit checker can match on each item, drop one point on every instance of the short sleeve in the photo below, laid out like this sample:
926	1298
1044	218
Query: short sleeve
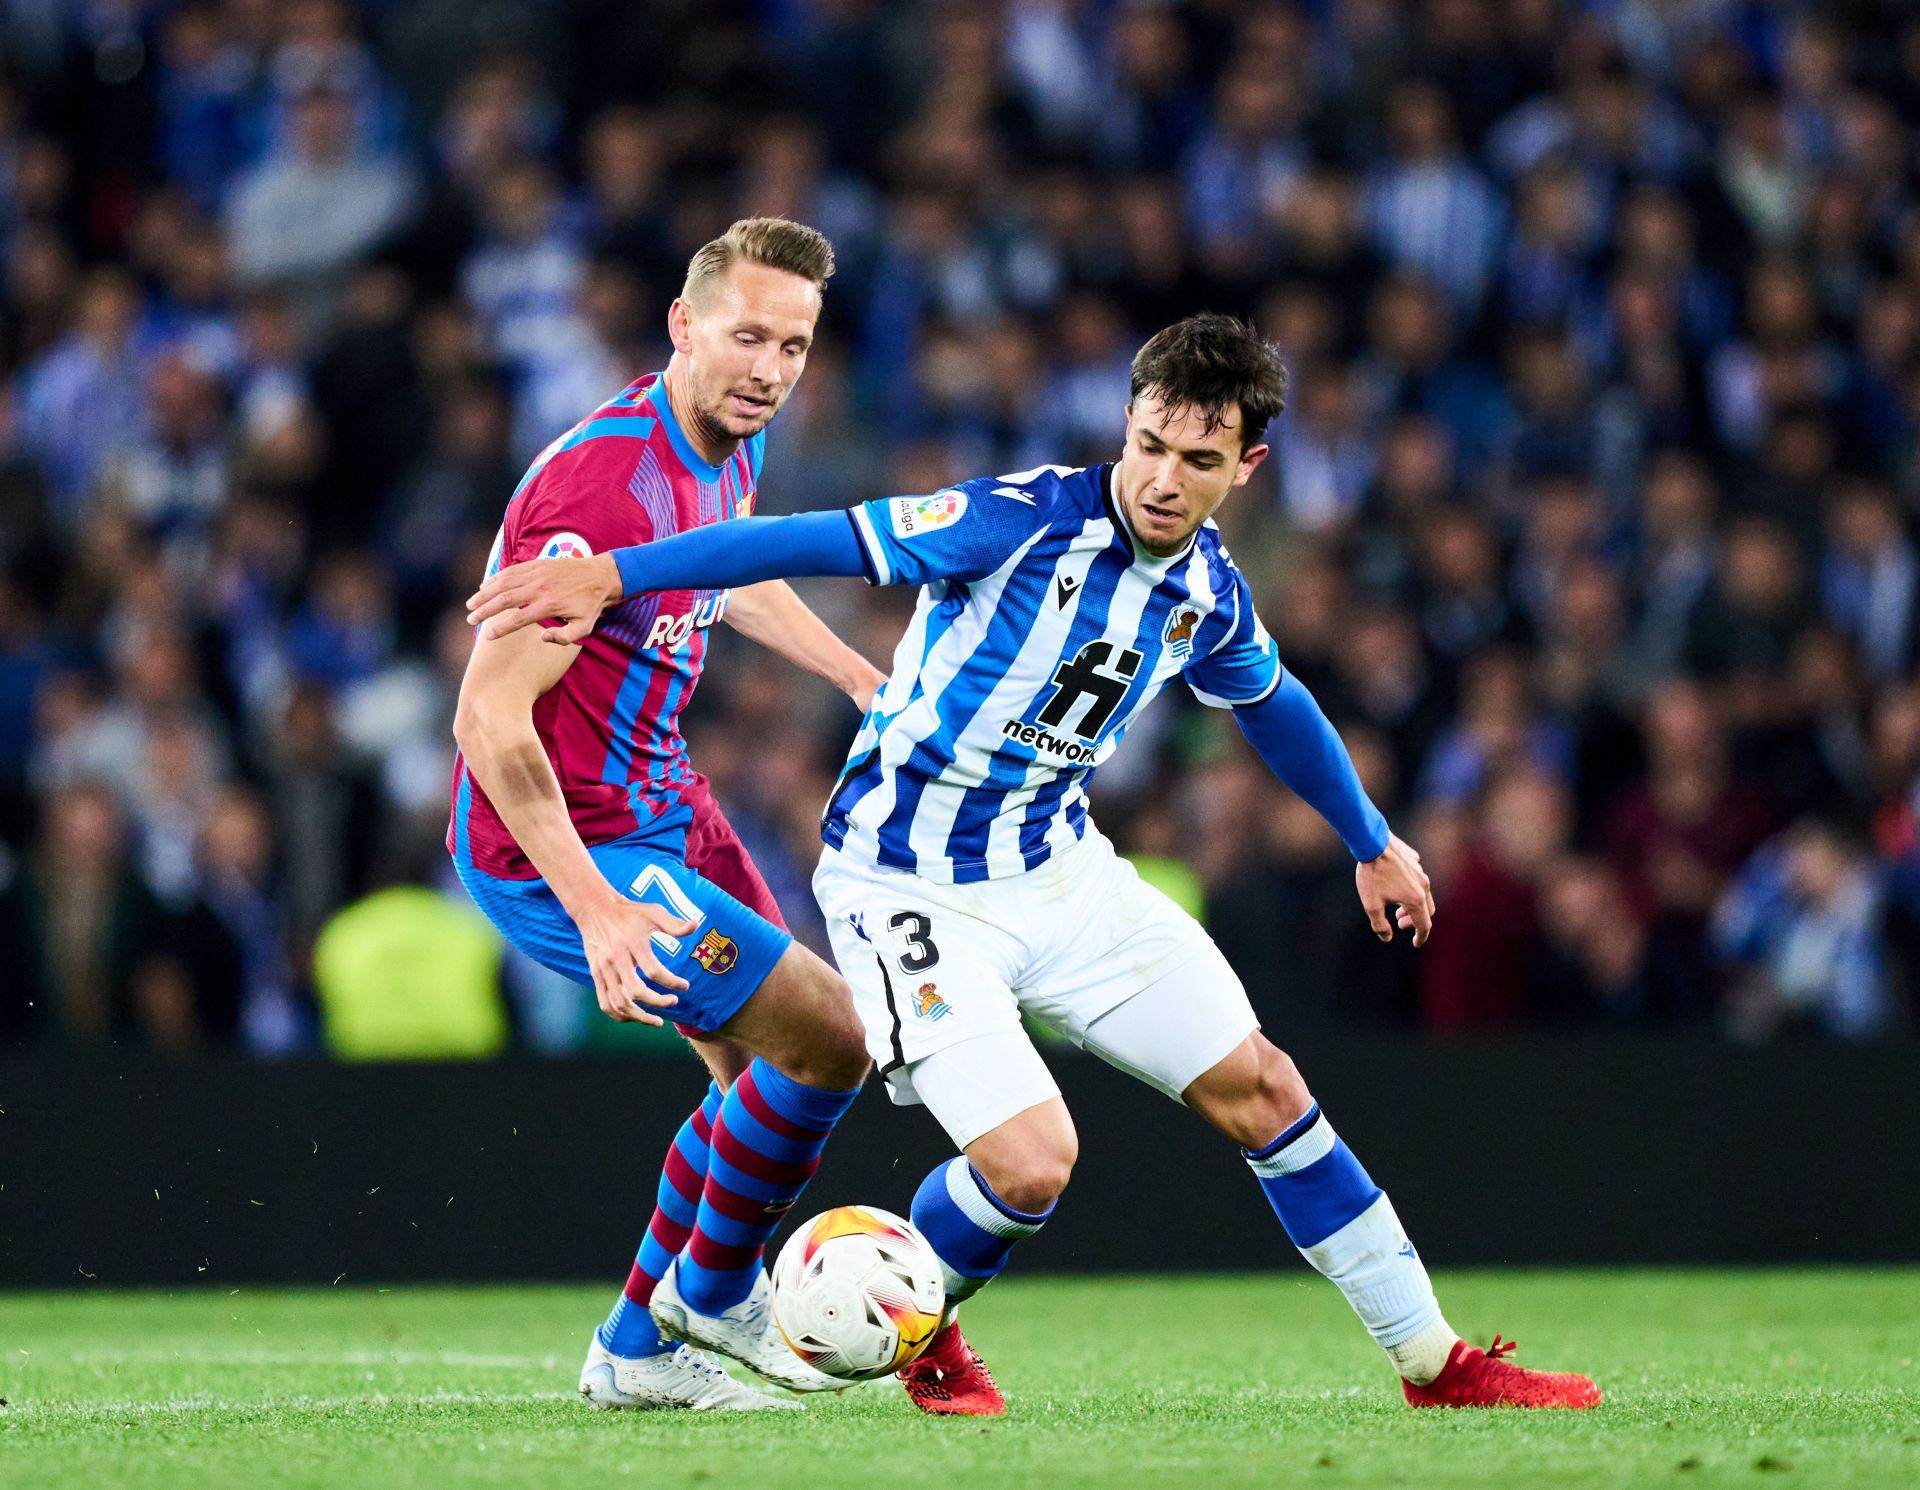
577	506
963	533
1243	665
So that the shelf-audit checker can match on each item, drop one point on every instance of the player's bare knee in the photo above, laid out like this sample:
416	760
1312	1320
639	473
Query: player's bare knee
1033	1181
843	1039
1280	1089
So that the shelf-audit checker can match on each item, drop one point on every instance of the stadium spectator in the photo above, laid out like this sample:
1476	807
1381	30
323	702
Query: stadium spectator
1600	469
303	215
92	958
1801	922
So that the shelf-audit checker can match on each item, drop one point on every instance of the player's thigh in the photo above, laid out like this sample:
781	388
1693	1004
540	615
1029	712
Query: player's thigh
530	917
728	955
802	1019
1179	1027
923	975
1100	935
997	1101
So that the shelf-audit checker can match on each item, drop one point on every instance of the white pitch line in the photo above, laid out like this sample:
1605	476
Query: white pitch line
264	1404
458	1359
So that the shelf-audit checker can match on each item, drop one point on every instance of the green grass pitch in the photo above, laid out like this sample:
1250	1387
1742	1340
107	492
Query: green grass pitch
1712	1378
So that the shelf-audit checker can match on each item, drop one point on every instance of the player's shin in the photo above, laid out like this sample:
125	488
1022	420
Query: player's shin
629	1330
766	1145
972	1230
1345	1226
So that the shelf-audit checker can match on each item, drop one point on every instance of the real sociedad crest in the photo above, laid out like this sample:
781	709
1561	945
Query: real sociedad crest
1179	633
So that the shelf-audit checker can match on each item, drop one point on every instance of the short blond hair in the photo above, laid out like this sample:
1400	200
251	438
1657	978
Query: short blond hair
773	241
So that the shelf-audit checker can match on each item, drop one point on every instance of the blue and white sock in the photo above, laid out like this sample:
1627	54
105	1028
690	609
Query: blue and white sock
972	1229
1344	1225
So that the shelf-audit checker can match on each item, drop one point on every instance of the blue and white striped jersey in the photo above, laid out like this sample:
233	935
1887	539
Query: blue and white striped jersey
1040	635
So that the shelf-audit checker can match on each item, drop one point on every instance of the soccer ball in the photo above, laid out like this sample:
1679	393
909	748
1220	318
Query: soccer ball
857	1292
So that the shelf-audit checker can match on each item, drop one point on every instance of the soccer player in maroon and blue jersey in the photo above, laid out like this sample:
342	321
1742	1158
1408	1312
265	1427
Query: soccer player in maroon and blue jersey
584	834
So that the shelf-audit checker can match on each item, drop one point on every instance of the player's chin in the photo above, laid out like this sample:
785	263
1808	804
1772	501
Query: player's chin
744	420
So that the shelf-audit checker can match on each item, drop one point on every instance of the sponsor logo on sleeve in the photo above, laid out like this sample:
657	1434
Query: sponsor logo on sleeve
567	546
914	516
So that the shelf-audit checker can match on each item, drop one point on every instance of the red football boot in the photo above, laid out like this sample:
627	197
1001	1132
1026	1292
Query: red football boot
950	1378
1483	1378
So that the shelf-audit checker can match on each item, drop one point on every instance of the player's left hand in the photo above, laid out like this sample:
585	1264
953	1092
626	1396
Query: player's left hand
573	591
1396	879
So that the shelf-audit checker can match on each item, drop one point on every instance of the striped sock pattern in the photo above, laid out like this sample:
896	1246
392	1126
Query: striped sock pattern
629	1330
1345	1226
766	1146
972	1230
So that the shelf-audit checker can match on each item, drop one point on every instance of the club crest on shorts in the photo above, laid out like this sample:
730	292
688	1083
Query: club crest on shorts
1179	633
716	953
913	516
928	1004
567	546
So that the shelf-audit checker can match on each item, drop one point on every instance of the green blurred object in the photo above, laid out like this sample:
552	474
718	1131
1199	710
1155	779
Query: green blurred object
409	974
1175	879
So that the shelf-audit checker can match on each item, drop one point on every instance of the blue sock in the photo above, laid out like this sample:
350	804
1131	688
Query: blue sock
629	1330
1346	1227
766	1146
972	1229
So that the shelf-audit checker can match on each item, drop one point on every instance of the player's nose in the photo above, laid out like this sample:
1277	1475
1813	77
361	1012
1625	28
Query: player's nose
767	367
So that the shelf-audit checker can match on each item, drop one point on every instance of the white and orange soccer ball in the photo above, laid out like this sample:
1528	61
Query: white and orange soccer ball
857	1292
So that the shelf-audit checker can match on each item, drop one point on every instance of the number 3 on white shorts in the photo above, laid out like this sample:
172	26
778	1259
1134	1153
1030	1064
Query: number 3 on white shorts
655	886
916	932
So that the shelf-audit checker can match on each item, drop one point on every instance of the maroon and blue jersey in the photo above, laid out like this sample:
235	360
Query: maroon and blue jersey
625	474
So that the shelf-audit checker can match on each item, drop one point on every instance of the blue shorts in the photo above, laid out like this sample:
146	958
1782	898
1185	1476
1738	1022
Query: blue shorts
726	958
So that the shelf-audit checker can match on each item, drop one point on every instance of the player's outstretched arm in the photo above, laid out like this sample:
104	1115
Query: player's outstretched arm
1300	745
772	615
743	551
502	750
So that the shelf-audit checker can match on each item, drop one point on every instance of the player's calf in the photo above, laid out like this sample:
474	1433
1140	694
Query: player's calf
1341	1221
973	1209
767	1139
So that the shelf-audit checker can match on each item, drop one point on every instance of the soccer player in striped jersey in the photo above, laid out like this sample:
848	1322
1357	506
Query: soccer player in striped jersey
965	885
582	831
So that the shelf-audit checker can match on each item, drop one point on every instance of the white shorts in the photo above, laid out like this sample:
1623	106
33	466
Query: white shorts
942	974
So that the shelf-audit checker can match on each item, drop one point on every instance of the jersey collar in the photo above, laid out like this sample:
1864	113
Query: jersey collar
690	457
1110	493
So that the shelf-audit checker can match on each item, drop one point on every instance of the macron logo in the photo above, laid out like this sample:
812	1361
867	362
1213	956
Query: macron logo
1015	493
1067	586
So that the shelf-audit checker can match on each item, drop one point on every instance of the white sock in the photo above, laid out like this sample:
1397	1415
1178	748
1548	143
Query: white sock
1319	1190
1422	1357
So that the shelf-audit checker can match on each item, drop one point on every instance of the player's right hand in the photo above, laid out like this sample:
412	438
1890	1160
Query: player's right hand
573	591
627	973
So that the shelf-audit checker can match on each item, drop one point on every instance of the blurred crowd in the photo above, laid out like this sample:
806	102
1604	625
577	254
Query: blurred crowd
1591	520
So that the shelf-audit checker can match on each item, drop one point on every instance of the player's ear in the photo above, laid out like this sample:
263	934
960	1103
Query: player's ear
680	324
1249	463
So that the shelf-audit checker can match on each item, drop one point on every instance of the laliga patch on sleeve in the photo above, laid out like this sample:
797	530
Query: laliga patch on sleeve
915	516
567	546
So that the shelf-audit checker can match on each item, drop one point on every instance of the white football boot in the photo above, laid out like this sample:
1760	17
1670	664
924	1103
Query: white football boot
683	1377
746	1332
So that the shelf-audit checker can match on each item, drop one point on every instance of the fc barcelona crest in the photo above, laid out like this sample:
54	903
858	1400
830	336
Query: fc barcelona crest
716	953
1179	633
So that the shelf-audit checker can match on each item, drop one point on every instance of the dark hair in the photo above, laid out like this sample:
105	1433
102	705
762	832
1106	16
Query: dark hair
1213	362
